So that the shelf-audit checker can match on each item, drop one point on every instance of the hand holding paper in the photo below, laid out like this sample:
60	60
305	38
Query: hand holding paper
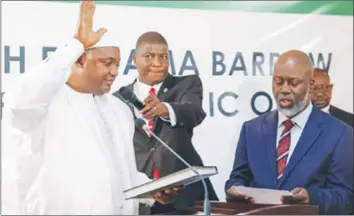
300	196
258	195
233	195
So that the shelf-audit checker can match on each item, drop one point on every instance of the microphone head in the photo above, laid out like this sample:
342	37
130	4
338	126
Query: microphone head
129	97
126	94
139	123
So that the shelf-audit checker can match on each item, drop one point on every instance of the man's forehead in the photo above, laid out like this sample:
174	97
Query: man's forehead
293	63
320	74
153	47
320	77
106	52
291	68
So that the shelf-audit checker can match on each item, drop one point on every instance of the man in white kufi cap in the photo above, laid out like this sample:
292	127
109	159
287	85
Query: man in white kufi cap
67	146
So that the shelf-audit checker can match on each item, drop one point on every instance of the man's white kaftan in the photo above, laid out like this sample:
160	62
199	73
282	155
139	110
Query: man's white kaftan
65	152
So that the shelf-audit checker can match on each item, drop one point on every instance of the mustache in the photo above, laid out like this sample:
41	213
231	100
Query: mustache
321	98
282	97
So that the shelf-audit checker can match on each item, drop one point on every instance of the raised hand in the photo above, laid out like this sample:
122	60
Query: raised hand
85	33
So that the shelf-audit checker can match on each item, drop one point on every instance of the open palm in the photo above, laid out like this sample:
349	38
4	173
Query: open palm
85	33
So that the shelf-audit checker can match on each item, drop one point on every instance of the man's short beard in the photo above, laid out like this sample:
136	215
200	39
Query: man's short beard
296	109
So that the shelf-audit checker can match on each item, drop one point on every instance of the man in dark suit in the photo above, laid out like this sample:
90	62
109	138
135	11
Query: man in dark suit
321	95
173	107
296	147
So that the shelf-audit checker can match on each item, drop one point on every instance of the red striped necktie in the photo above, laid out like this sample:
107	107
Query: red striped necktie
155	174
283	148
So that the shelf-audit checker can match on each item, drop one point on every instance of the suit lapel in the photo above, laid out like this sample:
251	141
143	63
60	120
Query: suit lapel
330	111
165	87
269	131
148	143
131	88
308	137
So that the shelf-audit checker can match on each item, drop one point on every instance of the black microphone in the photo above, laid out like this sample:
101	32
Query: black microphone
129	97
141	125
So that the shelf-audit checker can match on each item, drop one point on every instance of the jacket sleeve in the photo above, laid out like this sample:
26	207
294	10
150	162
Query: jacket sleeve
26	104
337	196
241	173
189	112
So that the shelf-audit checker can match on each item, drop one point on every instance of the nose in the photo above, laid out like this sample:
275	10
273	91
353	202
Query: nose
156	61
285	89
114	71
319	94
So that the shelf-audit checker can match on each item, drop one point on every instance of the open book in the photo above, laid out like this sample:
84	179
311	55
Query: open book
178	179
262	195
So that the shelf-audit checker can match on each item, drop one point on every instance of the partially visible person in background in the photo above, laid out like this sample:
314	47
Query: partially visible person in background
321	94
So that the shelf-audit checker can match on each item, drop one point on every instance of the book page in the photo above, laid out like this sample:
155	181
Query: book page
202	213
263	196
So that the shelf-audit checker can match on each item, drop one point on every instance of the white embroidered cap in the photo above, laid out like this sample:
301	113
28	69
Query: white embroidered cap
109	39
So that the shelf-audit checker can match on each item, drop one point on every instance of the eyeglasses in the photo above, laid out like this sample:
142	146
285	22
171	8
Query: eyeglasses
323	88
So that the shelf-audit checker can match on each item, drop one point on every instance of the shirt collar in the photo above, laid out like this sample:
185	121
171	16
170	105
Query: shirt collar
326	108
300	119
147	87
143	89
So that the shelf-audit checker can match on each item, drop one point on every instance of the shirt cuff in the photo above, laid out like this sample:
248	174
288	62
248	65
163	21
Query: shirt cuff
70	51
172	115
74	49
148	201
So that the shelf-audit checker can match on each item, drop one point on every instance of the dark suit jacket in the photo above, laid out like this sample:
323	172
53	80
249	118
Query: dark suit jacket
341	115
322	161
184	94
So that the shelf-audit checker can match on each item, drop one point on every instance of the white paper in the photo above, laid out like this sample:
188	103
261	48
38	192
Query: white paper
263	196
202	213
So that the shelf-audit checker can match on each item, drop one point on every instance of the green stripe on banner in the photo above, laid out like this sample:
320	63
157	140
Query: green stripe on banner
344	8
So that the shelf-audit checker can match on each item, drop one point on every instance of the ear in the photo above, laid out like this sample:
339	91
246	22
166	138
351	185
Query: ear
134	58
81	61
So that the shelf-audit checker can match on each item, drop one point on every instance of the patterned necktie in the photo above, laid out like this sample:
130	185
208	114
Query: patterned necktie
283	148
155	173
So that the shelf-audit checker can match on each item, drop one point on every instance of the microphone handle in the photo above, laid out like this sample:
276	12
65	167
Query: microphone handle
206	194
137	104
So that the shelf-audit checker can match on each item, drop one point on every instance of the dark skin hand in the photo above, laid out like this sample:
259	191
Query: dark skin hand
299	196
154	107
233	195
167	196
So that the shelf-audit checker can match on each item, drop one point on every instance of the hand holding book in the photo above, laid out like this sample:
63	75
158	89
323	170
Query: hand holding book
167	196
168	187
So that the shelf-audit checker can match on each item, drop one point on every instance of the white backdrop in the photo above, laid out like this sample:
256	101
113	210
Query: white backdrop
35	25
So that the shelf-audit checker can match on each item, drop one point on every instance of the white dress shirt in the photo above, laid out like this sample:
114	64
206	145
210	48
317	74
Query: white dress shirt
141	90
326	109
296	131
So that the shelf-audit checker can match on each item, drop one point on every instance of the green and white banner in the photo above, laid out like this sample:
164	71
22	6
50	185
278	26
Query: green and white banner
231	45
